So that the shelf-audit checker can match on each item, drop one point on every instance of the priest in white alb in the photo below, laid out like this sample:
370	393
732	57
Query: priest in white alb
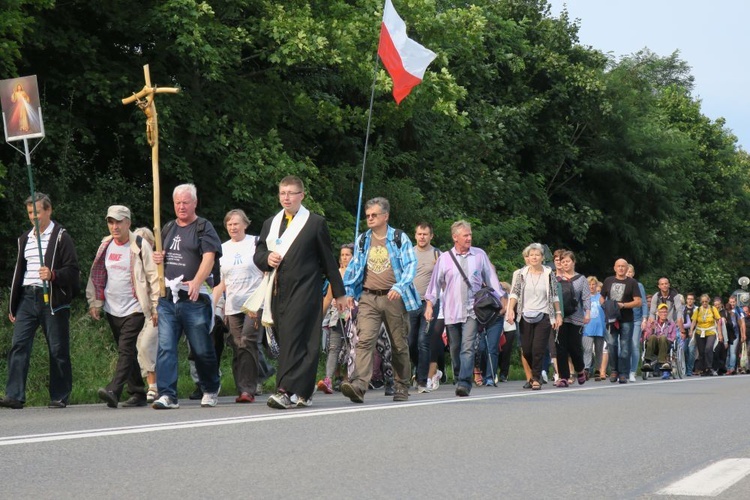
294	248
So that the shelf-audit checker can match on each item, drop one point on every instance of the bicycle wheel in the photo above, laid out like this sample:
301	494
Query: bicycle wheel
679	361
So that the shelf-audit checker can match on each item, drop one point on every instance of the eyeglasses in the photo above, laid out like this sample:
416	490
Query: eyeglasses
288	194
371	216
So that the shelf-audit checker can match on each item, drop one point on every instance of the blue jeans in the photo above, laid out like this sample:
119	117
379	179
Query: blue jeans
732	363
194	319
419	337
619	342
461	337
492	338
635	353
31	313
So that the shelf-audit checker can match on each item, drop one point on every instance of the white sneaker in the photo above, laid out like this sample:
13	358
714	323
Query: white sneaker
302	402
209	399
151	396
165	403
429	384
422	389
280	401
632	377
436	380
545	378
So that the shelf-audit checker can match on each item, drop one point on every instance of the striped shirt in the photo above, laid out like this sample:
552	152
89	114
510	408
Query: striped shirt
582	294
31	254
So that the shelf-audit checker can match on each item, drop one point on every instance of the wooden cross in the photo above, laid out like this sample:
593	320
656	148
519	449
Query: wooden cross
144	99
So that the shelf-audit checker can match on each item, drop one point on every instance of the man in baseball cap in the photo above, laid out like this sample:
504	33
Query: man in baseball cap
658	335
124	282
118	212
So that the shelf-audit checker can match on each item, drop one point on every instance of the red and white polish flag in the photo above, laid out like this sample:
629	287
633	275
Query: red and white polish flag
405	59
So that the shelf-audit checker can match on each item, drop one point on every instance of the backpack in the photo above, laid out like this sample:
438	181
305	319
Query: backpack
215	275
687	316
396	237
569	302
487	305
139	243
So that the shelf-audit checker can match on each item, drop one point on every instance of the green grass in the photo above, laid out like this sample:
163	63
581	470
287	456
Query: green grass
94	355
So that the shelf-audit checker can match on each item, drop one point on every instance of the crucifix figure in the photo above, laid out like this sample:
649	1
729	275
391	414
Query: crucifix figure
144	99
147	106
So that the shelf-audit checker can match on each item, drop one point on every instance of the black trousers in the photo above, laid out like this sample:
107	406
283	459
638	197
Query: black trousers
569	345
534	340
705	348
507	352
437	347
125	331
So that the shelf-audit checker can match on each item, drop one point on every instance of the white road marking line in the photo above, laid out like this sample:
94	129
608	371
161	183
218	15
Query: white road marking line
289	414
710	481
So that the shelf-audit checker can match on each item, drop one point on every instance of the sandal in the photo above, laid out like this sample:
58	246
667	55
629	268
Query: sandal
535	385
582	377
478	378
562	383
613	377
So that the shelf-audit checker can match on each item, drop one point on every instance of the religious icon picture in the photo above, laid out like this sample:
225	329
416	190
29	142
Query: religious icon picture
22	110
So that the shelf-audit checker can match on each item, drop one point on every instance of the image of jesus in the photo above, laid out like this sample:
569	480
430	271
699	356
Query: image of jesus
19	119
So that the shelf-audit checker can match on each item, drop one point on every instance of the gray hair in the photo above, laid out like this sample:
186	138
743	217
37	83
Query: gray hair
458	225
534	246
46	203
238	212
186	188
381	202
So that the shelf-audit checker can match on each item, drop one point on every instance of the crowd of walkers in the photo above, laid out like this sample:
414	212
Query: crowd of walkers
388	315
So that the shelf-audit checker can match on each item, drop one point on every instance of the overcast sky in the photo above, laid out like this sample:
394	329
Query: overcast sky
712	37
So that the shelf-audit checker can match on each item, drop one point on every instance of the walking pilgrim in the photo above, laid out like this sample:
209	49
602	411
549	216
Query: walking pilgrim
294	249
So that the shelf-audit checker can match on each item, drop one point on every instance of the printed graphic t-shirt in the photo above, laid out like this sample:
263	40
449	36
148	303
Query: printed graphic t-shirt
621	290
239	273
184	251
119	295
380	274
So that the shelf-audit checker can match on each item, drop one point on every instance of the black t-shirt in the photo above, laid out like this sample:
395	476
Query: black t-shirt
621	290
184	250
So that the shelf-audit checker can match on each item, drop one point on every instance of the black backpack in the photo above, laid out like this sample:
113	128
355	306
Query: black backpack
487	305
570	304
200	230
396	239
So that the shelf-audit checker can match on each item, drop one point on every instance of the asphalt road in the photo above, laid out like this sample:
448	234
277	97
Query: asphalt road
599	440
